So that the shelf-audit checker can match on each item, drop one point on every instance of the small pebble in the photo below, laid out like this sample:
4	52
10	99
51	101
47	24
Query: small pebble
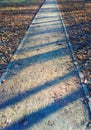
3	81
51	123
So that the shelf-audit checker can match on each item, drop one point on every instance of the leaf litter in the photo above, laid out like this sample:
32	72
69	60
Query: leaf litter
14	21
77	18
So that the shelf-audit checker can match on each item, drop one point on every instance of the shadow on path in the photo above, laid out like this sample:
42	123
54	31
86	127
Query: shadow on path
20	64
46	22
32	48
35	90
42	113
53	30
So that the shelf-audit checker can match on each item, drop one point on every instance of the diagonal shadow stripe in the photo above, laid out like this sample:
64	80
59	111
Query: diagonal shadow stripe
45	17
53	30
42	113
48	24
35	90
23	63
58	42
51	21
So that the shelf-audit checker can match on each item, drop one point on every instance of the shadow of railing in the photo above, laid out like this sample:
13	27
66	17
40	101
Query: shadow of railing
45	17
43	113
52	108
53	30
50	21
35	90
25	62
32	48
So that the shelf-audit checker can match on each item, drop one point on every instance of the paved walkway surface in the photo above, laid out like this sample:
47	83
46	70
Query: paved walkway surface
42	90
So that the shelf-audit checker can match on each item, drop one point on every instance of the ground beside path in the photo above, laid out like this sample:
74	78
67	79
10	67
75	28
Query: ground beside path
15	18
42	90
77	18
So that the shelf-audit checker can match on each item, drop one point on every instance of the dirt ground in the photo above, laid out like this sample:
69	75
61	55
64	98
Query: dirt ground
14	21
77	18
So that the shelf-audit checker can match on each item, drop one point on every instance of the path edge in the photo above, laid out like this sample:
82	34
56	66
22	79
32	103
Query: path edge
20	45
84	86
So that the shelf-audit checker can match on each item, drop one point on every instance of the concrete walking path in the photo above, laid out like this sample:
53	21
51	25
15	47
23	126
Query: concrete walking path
42	90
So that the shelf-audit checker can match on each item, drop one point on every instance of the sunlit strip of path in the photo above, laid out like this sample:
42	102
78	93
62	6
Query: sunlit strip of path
42	90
